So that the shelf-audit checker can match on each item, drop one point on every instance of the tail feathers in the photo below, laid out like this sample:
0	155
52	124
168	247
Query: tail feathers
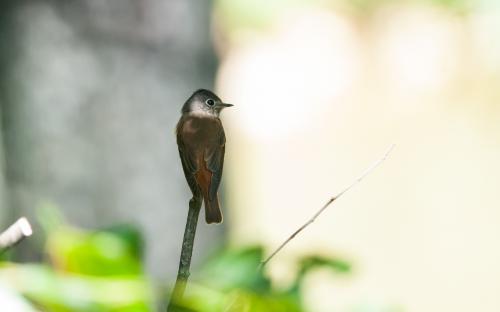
213	213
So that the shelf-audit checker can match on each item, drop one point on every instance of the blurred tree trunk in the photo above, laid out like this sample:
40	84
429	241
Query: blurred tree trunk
8	45
90	94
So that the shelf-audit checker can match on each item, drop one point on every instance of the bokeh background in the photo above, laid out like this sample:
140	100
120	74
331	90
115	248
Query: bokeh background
91	92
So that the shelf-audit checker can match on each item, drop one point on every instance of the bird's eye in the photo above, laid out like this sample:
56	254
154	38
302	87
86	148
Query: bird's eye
210	102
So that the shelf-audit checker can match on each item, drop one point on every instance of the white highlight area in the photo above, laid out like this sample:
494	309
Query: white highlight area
15	233
281	80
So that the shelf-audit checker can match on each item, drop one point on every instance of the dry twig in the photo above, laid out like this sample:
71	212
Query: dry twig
331	200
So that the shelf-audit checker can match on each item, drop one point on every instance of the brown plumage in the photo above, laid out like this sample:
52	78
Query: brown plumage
201	141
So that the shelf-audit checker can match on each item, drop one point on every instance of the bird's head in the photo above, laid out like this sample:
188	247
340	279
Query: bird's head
204	102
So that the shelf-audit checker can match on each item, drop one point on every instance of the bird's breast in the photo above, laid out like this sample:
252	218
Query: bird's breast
199	131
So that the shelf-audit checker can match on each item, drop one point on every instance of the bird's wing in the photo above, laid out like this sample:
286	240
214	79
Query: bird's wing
214	159
188	164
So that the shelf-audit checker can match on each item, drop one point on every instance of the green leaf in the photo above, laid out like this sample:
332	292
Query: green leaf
312	262
70	292
235	268
92	253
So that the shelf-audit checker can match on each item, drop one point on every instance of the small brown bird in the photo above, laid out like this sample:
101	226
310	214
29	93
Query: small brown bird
201	141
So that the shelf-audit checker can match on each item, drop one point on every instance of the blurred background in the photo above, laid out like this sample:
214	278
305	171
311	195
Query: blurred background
90	92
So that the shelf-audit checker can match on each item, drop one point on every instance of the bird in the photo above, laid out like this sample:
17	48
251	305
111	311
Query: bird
201	141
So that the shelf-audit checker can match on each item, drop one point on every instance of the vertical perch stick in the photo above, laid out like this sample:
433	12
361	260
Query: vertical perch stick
186	253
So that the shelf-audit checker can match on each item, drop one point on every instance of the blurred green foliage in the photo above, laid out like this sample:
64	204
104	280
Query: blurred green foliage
102	271
61	291
232	281
234	15
101	253
84	270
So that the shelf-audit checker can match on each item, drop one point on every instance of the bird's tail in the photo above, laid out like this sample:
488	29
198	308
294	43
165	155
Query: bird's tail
213	214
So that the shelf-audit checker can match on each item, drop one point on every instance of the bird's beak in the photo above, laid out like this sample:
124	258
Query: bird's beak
224	105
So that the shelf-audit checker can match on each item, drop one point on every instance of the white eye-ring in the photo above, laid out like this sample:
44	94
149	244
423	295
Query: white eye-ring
210	102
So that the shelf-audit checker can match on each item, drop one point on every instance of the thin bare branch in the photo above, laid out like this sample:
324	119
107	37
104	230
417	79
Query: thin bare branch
330	201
